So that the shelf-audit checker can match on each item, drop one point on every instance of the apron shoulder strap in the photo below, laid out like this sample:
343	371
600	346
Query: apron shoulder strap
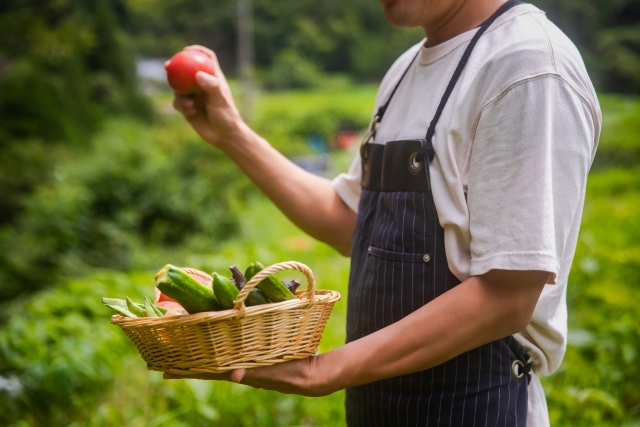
428	152
463	62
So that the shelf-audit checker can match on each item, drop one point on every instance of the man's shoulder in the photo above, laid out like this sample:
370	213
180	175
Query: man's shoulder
525	46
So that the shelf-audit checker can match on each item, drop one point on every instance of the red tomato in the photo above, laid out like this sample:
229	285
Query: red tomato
182	69
163	297
159	296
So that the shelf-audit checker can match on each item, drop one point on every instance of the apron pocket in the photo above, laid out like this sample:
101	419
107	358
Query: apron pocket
399	256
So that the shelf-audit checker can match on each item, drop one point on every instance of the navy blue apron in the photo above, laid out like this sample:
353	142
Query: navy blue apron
398	264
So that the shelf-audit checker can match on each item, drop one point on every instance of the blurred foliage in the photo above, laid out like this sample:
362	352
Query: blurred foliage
286	119
295	41
64	66
608	35
597	383
59	352
133	192
619	145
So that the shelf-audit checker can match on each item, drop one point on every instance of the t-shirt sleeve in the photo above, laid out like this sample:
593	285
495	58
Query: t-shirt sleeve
348	185
527	172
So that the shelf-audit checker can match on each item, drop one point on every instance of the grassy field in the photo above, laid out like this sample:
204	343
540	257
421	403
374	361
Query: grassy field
70	367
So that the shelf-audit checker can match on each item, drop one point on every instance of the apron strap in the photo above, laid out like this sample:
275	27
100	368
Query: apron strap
428	152
463	62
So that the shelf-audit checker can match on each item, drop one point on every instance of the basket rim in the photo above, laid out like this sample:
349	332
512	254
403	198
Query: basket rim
321	297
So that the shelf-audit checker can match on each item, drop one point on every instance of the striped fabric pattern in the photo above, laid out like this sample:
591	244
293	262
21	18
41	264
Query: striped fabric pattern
398	265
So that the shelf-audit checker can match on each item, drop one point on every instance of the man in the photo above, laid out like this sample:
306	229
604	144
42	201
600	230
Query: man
461	240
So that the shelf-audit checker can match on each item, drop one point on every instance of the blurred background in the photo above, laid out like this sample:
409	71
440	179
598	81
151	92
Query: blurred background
102	183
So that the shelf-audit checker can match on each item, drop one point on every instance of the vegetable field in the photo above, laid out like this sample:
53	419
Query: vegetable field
63	364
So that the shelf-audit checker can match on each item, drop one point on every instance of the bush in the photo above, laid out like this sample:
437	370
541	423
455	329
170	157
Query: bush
134	194
597	383
58	349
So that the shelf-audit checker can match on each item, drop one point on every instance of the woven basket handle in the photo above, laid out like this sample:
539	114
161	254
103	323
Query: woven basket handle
272	269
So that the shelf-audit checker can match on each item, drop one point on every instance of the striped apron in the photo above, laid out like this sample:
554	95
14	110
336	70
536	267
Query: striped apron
398	264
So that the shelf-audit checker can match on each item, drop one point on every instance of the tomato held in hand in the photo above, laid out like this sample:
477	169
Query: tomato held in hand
182	69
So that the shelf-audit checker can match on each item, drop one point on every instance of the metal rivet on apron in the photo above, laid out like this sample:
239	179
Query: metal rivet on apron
414	165
426	258
517	373
369	250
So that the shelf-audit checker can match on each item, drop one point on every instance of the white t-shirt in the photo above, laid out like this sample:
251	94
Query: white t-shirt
512	151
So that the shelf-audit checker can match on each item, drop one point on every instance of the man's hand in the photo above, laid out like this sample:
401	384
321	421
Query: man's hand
303	377
212	113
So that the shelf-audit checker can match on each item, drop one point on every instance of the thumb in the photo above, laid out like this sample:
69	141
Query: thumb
237	375
207	82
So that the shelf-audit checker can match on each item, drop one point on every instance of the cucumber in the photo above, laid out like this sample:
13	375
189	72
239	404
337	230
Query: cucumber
274	290
251	271
187	291
225	291
256	297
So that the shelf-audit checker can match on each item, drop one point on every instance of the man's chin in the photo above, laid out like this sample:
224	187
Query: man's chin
398	16
399	20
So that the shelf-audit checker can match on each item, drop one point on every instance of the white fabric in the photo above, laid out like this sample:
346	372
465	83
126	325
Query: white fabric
512	151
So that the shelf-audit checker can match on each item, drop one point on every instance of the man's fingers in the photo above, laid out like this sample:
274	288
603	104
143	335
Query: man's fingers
214	58
238	375
207	82
184	104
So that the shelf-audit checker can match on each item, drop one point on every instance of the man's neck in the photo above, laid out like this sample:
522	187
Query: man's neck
466	16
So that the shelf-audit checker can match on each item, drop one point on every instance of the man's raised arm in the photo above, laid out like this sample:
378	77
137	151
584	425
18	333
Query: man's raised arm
309	201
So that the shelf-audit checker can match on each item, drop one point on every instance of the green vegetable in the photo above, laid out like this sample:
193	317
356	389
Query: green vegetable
225	291
256	297
133	307
149	308
114	301
120	310
159	310
274	290
190	294
251	271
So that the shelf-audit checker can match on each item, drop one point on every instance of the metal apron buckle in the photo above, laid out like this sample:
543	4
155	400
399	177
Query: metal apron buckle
370	134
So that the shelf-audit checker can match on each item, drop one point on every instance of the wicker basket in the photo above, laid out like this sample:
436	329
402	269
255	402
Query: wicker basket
243	337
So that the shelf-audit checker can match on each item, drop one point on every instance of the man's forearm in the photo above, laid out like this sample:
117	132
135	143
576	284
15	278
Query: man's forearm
477	311
309	201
